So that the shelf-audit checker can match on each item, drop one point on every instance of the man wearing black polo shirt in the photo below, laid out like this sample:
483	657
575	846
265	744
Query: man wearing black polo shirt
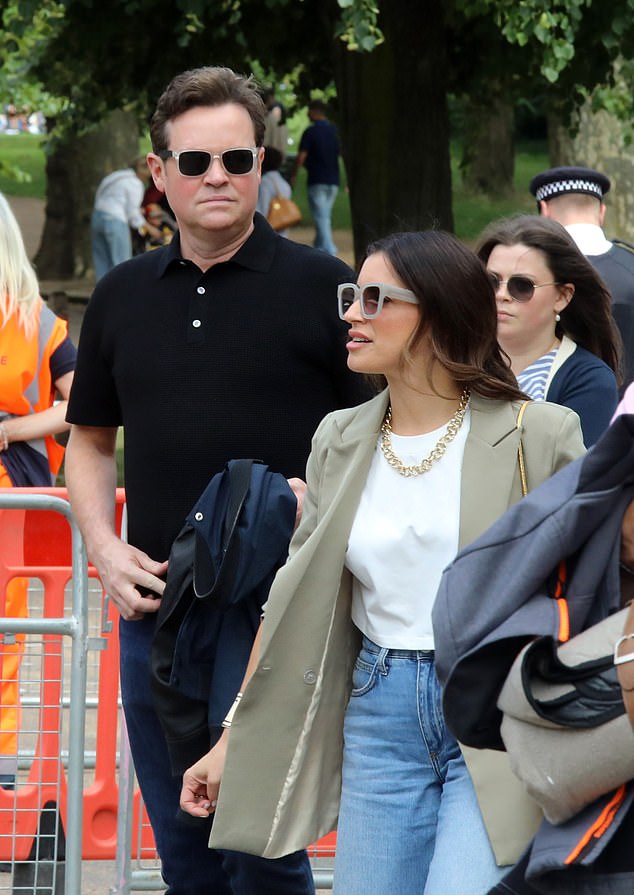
224	344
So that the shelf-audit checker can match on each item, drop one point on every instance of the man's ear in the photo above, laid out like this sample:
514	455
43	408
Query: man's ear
544	210
156	169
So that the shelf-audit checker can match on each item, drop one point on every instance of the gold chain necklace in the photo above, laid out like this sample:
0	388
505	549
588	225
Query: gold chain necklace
453	427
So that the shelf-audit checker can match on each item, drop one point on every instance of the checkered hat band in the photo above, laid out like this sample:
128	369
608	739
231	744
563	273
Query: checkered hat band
568	186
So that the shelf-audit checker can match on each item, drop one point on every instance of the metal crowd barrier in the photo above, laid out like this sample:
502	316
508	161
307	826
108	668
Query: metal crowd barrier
41	816
75	796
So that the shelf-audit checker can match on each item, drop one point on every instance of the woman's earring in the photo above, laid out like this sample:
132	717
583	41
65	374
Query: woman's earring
557	318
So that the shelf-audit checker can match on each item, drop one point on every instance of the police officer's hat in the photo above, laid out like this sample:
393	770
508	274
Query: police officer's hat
566	181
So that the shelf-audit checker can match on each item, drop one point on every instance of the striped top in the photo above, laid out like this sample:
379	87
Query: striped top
532	380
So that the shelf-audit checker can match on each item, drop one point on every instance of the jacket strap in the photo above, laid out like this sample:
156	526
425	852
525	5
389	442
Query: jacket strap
520	451
239	484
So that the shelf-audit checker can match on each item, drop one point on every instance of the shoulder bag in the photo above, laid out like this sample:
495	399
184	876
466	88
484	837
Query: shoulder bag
283	213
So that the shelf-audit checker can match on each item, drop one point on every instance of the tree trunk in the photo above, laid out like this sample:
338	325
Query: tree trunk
488	156
394	125
597	140
74	168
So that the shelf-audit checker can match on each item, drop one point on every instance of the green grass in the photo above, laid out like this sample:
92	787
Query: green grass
473	212
23	152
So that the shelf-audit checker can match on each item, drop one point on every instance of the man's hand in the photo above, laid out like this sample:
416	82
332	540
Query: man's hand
298	487
127	574
201	783
154	232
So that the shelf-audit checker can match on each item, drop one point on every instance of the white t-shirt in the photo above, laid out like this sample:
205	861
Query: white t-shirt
404	534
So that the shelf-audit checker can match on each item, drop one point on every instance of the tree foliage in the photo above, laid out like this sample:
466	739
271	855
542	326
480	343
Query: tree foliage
89	58
570	45
96	57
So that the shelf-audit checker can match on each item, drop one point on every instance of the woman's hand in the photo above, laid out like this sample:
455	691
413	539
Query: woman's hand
201	782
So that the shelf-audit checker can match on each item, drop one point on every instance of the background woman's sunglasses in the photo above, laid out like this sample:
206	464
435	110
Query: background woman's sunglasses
196	162
370	297
519	288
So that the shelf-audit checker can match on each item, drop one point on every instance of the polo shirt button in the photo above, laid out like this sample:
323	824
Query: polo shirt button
201	290
309	677
199	517
196	323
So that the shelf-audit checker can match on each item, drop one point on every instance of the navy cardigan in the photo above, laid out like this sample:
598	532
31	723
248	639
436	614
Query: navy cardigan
586	384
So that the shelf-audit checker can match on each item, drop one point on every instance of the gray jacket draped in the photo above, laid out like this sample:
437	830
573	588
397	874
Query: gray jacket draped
503	583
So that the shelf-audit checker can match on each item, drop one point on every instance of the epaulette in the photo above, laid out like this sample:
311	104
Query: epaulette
623	245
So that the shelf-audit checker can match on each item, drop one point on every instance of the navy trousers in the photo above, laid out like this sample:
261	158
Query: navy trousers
189	866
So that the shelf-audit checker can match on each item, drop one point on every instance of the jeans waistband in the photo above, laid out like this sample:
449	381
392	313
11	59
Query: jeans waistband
373	647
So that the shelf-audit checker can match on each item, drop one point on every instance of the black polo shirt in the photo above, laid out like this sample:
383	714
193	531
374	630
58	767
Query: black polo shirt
199	368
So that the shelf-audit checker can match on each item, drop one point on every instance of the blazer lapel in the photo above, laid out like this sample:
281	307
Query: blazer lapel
347	463
490	466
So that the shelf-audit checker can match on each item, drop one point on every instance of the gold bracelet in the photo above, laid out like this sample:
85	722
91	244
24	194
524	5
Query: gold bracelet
229	719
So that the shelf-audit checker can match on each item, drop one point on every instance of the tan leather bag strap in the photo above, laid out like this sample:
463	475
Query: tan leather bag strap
624	662
520	451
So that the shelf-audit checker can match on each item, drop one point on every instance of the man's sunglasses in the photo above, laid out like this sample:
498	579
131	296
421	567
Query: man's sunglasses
196	162
519	288
370	297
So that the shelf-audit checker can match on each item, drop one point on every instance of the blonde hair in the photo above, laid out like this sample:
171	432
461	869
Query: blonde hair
19	290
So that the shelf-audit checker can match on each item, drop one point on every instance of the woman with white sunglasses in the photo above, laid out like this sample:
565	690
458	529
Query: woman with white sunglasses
554	318
342	714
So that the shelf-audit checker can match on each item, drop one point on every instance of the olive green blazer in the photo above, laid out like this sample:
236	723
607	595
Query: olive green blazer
282	780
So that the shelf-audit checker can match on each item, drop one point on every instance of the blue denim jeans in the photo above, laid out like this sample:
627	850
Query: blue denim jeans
321	198
409	822
111	242
189	866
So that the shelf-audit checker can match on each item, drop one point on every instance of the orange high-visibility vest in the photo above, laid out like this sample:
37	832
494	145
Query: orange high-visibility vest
26	384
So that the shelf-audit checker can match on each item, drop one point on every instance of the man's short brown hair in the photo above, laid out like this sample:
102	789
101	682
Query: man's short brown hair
209	86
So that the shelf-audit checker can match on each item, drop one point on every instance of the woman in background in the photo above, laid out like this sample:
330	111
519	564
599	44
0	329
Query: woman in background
554	318
37	360
272	183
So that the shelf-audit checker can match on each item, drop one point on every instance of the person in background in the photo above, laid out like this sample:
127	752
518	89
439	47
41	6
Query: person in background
554	318
275	127
37	360
272	183
165	223
573	196
343	665
223	344
319	154
116	210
